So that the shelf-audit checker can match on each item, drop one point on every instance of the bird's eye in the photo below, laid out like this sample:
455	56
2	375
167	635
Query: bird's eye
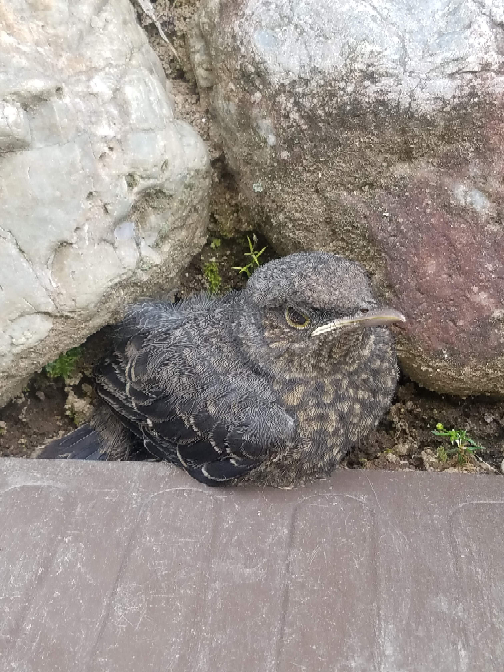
295	318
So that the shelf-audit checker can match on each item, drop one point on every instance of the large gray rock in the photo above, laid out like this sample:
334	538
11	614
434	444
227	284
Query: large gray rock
103	193
376	130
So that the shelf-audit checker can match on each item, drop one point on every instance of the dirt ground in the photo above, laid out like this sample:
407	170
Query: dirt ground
50	407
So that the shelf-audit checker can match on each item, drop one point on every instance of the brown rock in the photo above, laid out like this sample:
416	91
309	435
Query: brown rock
349	132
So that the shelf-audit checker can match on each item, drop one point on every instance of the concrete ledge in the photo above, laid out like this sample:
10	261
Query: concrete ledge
133	567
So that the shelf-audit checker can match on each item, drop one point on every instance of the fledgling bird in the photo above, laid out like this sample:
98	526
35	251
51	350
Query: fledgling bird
269	385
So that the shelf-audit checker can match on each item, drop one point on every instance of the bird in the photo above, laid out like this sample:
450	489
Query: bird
270	385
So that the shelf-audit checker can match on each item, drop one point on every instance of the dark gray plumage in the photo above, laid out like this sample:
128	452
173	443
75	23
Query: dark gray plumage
269	385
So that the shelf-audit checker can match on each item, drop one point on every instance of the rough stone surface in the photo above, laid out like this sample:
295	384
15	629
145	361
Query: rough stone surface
376	130
127	566
102	191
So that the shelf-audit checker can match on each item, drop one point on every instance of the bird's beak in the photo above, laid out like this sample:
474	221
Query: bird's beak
373	318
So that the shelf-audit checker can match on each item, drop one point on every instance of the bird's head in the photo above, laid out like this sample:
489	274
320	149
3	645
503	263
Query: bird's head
311	309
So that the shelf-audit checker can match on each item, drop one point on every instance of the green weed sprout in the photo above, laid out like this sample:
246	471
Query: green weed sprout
254	257
442	455
64	366
464	448
212	277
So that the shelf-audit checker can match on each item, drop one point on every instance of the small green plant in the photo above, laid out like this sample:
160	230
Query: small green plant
216	243
64	366
254	257
464	446
212	277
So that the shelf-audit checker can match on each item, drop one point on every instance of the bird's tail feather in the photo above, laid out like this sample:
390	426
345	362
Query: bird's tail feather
81	444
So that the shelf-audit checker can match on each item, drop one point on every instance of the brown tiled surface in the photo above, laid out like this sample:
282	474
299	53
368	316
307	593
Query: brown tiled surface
130	567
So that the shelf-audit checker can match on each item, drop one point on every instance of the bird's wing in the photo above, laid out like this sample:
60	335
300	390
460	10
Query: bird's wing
217	435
